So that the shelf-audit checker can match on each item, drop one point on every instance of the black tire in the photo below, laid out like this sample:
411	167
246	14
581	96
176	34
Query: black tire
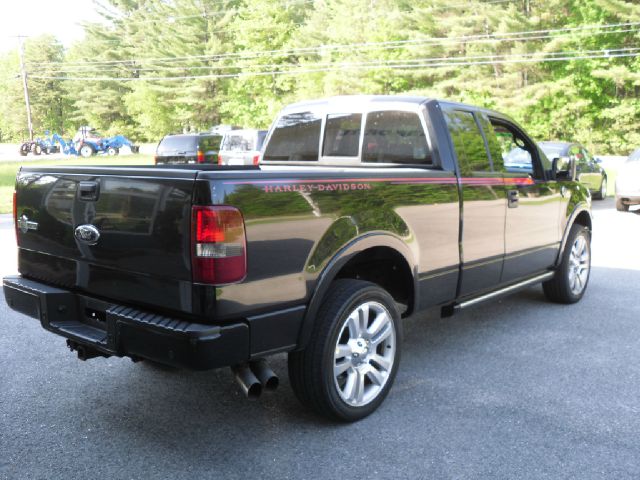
113	151
558	289
311	371
86	150
24	149
36	149
621	207
602	193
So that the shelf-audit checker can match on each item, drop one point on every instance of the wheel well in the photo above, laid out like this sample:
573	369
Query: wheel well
583	219
386	267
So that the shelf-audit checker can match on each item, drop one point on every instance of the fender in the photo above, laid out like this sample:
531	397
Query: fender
577	210
339	260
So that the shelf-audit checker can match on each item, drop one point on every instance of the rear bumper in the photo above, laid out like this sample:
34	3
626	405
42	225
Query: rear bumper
122	331
631	199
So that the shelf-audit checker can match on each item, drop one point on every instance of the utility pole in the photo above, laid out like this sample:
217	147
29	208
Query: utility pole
25	85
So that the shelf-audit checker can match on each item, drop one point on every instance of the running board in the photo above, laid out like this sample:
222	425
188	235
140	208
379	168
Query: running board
451	309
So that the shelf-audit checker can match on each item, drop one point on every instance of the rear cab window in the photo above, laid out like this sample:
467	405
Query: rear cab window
295	138
361	137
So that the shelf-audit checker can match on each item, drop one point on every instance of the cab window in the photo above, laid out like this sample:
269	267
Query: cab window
395	137
295	138
342	135
519	153
467	142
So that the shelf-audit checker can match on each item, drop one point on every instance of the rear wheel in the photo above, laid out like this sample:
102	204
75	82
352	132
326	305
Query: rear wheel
24	149
352	357
86	150
36	149
571	279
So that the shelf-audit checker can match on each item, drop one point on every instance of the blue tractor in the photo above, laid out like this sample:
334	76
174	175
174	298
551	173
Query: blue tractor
89	142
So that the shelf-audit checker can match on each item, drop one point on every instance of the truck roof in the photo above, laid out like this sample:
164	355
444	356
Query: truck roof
348	101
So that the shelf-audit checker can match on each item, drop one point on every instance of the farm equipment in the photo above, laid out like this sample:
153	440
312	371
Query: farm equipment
89	142
39	145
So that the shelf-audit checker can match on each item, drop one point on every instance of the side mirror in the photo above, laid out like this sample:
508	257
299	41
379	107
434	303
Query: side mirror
564	168
598	160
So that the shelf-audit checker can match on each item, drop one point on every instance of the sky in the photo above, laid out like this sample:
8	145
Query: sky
35	17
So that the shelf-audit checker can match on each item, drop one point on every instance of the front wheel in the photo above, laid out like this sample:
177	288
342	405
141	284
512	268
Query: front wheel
352	357
571	279
602	193
113	151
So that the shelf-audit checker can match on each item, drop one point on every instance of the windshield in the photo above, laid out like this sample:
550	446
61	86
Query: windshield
635	156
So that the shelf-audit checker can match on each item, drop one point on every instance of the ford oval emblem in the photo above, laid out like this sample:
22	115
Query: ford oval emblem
87	234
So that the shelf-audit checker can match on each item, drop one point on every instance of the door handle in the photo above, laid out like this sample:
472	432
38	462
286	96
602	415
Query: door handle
89	191
513	196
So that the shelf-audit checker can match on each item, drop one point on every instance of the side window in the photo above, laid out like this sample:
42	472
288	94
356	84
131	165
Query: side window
395	137
342	135
495	149
516	150
295	138
467	142
587	156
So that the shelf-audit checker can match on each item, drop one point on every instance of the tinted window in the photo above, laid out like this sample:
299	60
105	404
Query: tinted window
495	148
468	142
210	143
262	134
241	143
295	138
178	143
342	135
395	137
518	152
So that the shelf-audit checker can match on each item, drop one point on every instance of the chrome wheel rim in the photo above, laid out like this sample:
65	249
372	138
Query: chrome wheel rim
364	354
579	262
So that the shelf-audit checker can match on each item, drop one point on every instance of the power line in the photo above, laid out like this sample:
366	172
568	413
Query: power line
139	68
505	36
408	64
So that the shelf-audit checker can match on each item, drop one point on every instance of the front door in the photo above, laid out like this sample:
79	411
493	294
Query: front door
532	231
483	206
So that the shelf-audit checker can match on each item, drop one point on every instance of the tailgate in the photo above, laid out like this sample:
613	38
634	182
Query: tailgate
117	233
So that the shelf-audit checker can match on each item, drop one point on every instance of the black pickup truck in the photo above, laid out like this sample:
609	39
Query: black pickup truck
363	210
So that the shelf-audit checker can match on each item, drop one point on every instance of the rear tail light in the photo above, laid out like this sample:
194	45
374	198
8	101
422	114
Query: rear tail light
218	245
256	159
200	157
219	159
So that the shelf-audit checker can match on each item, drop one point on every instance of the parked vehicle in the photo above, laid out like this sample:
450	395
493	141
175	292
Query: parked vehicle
363	211
241	147
588	168
628	183
186	148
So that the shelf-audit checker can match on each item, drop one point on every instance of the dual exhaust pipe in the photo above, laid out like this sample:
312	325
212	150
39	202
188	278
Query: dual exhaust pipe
255	376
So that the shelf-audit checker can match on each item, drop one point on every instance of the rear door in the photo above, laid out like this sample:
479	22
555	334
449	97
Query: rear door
142	218
483	207
532	234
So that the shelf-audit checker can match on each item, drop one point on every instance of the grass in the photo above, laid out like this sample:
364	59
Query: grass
8	171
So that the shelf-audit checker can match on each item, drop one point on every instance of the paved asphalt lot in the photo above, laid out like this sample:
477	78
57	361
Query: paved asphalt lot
520	388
